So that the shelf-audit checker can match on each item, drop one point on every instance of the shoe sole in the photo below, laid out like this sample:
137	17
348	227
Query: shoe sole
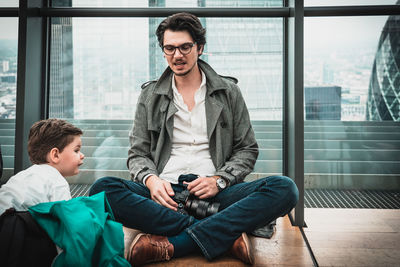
250	254
129	236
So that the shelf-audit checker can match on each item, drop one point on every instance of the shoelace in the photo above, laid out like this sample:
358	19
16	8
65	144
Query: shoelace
162	249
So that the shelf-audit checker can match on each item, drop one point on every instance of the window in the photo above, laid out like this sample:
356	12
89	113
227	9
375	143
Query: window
9	3
97	67
351	102
8	85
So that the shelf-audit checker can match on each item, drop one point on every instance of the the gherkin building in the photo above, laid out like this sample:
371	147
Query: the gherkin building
384	88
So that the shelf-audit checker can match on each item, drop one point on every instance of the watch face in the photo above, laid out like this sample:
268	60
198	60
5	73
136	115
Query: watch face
221	183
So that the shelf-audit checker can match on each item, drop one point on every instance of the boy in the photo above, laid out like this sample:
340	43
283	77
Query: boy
82	228
54	148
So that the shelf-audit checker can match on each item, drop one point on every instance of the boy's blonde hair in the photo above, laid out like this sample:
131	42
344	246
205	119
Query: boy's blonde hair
47	134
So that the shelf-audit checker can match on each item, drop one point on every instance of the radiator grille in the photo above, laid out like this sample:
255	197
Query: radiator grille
78	190
356	199
321	198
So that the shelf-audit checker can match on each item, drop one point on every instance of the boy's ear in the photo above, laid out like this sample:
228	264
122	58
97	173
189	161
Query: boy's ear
54	155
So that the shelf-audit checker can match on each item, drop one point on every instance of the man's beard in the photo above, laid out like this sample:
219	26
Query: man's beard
186	72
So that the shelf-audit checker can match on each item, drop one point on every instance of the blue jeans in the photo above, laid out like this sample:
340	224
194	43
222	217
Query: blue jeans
243	208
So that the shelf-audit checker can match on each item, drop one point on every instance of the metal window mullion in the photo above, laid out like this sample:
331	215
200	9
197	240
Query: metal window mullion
164	11
328	11
9	12
293	142
30	91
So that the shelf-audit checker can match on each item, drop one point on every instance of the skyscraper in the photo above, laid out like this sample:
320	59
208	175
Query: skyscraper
156	63
323	102
61	103
384	88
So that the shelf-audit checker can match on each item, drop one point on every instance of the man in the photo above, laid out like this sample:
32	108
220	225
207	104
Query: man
192	128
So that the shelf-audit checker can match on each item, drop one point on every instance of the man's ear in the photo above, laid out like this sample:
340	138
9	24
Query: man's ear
53	156
201	48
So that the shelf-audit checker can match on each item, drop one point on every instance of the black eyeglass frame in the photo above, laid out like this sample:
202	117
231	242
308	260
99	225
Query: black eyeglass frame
179	47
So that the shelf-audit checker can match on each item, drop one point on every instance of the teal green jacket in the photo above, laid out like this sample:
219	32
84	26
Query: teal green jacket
232	143
85	229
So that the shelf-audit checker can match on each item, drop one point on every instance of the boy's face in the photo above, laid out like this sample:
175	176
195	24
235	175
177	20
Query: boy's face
71	158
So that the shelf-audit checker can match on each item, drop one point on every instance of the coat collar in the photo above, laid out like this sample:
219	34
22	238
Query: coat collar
214	81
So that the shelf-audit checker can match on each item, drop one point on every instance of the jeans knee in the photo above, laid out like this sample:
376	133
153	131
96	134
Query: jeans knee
287	189
101	185
292	191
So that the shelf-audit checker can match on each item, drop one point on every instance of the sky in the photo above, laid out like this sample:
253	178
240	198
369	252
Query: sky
336	32
347	32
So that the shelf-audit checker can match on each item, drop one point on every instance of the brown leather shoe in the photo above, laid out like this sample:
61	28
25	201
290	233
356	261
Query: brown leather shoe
147	248
242	249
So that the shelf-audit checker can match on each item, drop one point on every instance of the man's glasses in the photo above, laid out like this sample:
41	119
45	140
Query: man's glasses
185	49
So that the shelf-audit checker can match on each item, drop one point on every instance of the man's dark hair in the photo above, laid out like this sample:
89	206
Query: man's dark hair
182	22
47	134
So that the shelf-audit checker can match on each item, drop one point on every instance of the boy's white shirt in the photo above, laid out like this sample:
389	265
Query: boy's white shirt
37	184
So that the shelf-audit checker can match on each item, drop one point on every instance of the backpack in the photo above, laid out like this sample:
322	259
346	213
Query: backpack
23	242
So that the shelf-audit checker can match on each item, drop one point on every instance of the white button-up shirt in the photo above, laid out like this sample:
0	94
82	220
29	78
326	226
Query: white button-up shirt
37	184
190	151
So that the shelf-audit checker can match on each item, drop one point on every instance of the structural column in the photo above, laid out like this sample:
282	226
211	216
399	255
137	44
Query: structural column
293	123
31	79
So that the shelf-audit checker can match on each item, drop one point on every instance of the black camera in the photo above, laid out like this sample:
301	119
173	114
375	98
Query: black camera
189	204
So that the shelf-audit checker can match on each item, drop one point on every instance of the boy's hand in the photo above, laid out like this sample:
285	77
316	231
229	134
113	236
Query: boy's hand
161	192
203	187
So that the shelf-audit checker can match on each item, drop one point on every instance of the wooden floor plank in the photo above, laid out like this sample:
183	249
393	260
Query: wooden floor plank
285	248
354	237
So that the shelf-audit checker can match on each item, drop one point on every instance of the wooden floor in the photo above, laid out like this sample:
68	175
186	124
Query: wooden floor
354	237
337	237
285	248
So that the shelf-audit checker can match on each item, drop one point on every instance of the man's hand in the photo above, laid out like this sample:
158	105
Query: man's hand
161	192
203	187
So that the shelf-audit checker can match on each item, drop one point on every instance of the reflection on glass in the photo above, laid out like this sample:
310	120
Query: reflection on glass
250	49
97	67
357	78
8	85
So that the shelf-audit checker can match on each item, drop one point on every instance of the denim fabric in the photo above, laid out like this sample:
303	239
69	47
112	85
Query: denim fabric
243	207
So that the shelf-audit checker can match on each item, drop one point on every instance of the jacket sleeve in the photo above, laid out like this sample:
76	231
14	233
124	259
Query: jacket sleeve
140	162
244	145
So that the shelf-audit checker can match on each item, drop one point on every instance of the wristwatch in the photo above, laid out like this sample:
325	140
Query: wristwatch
221	183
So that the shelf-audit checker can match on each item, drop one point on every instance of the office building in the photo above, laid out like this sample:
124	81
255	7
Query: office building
384	88
323	102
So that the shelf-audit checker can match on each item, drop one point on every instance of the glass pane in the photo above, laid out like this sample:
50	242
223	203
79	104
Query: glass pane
348	2
9	3
99	64
8	85
352	119
169	3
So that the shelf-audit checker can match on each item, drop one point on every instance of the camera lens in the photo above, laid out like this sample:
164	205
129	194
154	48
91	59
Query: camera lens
200	208
212	208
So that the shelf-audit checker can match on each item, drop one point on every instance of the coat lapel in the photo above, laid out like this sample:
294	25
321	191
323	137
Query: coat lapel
213	111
